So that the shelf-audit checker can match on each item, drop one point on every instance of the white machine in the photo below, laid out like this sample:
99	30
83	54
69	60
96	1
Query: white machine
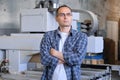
19	46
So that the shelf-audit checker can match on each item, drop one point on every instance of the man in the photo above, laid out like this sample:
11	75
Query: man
63	50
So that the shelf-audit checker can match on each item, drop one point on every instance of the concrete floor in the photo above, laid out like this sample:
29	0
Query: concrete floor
115	75
36	76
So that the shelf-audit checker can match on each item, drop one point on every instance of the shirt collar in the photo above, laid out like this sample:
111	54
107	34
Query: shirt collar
70	34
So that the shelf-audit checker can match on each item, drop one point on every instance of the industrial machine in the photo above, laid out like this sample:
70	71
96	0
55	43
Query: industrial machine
34	22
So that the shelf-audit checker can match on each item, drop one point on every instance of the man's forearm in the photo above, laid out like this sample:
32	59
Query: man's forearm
57	54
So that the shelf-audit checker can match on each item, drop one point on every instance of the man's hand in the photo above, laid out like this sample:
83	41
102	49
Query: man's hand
57	54
54	52
61	62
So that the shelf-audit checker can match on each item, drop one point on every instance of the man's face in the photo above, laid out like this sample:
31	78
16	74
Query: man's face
64	17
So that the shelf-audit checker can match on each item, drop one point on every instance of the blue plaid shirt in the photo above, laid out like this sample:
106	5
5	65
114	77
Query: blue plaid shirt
74	51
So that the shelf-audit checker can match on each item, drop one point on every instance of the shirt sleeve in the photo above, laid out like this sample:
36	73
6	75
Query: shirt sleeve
77	54
46	58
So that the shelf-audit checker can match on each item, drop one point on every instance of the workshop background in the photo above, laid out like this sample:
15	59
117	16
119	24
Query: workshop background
108	15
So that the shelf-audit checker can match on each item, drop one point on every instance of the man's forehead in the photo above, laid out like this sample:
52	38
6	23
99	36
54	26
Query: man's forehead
64	9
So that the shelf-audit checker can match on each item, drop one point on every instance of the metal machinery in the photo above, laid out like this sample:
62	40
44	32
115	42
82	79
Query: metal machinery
34	22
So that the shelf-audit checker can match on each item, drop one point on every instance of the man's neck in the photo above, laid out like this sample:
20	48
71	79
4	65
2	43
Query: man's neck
65	29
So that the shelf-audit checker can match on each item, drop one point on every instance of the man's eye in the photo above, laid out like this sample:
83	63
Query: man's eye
63	14
68	14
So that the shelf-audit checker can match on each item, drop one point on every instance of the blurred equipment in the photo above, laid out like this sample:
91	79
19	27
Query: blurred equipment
50	4
34	23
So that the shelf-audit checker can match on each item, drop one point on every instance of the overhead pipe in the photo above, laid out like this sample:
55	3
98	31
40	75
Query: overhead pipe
94	18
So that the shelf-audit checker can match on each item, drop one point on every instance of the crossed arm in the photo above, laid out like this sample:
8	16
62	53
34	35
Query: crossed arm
58	55
51	57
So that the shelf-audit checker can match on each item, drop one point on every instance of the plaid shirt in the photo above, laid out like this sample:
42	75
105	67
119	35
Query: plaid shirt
74	51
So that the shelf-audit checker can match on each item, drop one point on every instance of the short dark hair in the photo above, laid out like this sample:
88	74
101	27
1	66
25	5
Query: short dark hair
61	7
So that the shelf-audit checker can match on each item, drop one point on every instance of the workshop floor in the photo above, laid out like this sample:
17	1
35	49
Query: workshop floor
115	76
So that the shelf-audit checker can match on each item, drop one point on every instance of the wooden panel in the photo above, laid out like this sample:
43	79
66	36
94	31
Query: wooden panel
112	33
